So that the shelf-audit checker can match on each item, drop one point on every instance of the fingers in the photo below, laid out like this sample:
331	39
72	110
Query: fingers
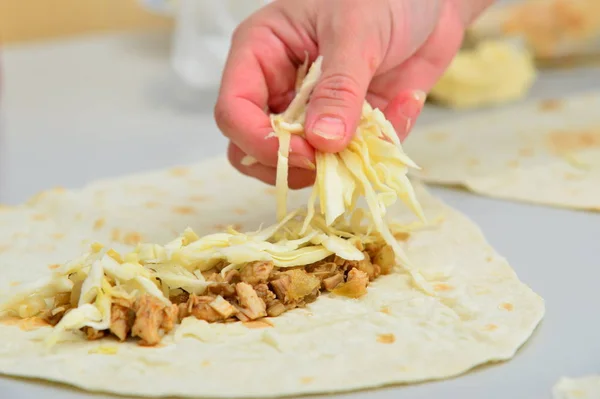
404	110
350	58
258	74
298	178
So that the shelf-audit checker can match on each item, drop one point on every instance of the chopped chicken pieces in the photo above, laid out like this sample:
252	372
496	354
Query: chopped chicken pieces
92	334
355	286
250	304
223	307
170	318
330	283
275	309
256	272
199	307
257	290
148	319
121	320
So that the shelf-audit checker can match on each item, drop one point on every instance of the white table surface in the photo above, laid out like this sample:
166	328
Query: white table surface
74	111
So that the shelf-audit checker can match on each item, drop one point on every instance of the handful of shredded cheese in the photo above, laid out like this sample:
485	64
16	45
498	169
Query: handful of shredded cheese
373	166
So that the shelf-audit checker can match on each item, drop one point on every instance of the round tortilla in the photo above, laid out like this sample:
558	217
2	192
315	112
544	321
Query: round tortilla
394	334
542	152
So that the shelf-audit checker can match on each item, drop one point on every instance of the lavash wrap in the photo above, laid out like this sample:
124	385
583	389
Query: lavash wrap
480	312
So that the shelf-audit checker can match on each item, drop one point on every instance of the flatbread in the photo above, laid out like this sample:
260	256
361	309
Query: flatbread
395	334
543	152
587	387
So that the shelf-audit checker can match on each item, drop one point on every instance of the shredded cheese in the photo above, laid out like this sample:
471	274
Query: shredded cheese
373	166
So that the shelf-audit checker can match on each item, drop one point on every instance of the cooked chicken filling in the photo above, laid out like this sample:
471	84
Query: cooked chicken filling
257	290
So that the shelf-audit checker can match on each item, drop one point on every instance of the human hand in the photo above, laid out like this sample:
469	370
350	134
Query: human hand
388	51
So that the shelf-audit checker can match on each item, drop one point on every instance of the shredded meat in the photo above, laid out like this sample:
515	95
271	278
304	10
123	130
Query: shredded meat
330	283
92	334
264	293
148	319
224	308
355	286
281	286
232	277
382	256
199	307
275	308
181	298
250	304
323	270
170	318
258	290
256	272
121	320
223	289
302	284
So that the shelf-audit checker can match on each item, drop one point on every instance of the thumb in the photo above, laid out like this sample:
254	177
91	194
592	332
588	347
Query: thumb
336	102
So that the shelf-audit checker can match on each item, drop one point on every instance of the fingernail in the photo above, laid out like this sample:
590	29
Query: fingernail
413	105
330	128
300	161
420	96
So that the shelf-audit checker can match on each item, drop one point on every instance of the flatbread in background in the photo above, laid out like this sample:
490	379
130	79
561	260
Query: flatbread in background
542	152
587	387
397	334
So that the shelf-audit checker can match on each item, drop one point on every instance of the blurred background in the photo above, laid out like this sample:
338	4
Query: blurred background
98	88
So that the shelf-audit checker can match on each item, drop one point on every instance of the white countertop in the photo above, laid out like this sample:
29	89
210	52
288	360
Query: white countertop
74	111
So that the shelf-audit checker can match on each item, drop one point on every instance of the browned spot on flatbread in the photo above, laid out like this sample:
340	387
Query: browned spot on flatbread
402	236
45	247
99	223
572	176
222	227
14	283
507	306
39	217
179	171
4	248
205	363
306	380
184	210
54	266
473	162
567	141
437	137
489	259
441	287
58	236
513	164
240	211
526	152
28	324
256	324
550	105
270	191
386	338
115	234
386	310
199	198
132	238
490	327
151	204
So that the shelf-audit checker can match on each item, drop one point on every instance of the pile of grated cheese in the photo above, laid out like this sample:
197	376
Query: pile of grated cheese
373	166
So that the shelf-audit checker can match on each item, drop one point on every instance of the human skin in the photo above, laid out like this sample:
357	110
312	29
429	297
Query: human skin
389	52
